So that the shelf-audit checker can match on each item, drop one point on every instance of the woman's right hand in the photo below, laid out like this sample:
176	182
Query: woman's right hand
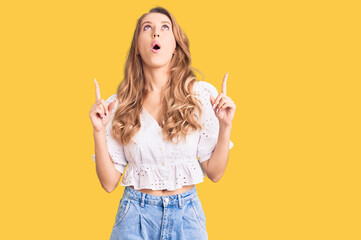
100	112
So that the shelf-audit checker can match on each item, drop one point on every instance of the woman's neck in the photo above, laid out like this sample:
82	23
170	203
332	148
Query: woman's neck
155	78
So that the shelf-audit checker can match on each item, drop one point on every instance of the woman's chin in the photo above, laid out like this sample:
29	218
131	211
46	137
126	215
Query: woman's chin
158	64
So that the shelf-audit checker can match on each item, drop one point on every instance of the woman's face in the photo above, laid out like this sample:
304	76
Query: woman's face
156	28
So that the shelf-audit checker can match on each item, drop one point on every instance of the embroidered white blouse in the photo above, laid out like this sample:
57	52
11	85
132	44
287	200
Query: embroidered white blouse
154	163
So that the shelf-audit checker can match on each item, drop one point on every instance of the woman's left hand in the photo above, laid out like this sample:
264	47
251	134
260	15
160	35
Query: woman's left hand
223	105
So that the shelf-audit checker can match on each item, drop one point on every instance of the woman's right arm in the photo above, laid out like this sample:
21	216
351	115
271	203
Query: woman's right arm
108	176
99	114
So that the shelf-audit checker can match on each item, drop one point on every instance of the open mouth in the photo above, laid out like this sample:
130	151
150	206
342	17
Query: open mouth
155	46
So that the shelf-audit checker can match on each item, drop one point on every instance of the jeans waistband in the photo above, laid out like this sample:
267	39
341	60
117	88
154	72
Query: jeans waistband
144	198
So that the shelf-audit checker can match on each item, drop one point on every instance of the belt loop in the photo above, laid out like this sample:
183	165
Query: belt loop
180	201
143	196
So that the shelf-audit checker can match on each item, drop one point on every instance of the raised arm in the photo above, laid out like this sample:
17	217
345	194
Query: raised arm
99	114
224	109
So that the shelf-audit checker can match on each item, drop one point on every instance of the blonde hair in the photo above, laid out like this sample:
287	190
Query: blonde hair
179	103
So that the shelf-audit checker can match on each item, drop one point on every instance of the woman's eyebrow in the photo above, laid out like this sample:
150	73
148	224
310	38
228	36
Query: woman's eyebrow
151	22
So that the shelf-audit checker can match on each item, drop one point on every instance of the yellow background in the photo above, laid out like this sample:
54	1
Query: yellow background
294	74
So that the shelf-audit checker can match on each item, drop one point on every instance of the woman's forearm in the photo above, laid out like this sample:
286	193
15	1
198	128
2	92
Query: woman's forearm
218	161
107	174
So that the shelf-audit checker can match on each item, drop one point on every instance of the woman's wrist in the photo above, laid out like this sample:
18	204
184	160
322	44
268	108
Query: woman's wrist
98	132
225	127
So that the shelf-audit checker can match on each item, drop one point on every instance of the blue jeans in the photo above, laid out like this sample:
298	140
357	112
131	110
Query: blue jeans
145	217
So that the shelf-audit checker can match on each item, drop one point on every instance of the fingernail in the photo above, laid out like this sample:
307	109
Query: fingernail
101	117
107	113
214	105
220	110
217	110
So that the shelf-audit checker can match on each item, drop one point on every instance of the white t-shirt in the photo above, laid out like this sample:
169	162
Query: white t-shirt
155	163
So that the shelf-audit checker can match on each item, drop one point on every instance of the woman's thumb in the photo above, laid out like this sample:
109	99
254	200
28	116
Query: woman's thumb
212	99
111	106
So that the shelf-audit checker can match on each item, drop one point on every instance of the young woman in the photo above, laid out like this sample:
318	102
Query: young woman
160	121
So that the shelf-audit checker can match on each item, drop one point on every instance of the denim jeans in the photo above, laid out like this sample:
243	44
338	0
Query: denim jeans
146	217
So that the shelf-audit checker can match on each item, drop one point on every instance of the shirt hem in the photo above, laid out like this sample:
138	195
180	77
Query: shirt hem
136	187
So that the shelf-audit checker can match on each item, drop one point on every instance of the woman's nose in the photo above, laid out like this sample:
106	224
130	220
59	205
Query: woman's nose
155	35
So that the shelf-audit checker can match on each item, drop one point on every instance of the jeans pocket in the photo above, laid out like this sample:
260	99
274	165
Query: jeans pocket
123	209
198	209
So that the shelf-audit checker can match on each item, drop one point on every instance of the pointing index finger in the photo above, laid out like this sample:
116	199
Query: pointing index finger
97	90
224	83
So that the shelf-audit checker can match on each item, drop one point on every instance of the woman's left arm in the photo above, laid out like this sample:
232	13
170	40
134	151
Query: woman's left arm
224	109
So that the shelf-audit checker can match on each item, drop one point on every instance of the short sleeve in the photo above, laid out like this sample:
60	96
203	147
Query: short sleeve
115	149
209	134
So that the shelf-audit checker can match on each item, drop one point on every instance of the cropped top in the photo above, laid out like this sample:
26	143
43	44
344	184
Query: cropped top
158	164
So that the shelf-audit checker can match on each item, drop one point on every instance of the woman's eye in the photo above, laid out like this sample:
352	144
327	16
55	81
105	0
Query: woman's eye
149	26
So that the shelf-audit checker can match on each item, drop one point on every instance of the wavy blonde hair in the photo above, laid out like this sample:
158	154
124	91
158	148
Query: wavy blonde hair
179	107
